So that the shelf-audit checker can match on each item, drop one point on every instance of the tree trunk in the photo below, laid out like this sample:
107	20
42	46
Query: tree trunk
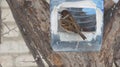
32	18
0	21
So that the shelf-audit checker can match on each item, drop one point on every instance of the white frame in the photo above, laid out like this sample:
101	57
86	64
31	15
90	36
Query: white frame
80	4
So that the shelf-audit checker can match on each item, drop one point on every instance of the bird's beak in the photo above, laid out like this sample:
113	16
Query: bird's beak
59	12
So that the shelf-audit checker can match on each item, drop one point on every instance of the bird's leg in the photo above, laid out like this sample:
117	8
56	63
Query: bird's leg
77	45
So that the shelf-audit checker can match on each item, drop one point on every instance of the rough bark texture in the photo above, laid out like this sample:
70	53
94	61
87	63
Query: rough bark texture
32	18
0	21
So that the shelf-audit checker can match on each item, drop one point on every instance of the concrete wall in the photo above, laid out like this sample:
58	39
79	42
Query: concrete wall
13	50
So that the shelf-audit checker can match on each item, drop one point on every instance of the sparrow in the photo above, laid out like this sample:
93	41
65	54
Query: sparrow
68	23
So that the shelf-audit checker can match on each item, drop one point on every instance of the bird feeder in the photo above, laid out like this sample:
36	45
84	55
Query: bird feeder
76	25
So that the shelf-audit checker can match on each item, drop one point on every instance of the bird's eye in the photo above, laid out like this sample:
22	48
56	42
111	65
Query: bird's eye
59	12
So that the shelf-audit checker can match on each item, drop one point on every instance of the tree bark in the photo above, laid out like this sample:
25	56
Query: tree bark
32	18
0	21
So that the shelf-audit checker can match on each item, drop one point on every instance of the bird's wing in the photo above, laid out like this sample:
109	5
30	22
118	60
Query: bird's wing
66	24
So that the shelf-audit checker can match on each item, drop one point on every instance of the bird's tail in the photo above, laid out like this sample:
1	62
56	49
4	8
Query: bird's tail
82	35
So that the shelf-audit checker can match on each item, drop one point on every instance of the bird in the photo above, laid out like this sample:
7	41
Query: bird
68	23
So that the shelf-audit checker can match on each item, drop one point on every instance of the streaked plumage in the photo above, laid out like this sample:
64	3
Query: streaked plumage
68	23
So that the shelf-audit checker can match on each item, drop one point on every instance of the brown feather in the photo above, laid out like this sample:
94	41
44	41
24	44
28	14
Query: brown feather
68	23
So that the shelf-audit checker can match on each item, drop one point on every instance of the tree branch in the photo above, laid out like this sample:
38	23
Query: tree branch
33	23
